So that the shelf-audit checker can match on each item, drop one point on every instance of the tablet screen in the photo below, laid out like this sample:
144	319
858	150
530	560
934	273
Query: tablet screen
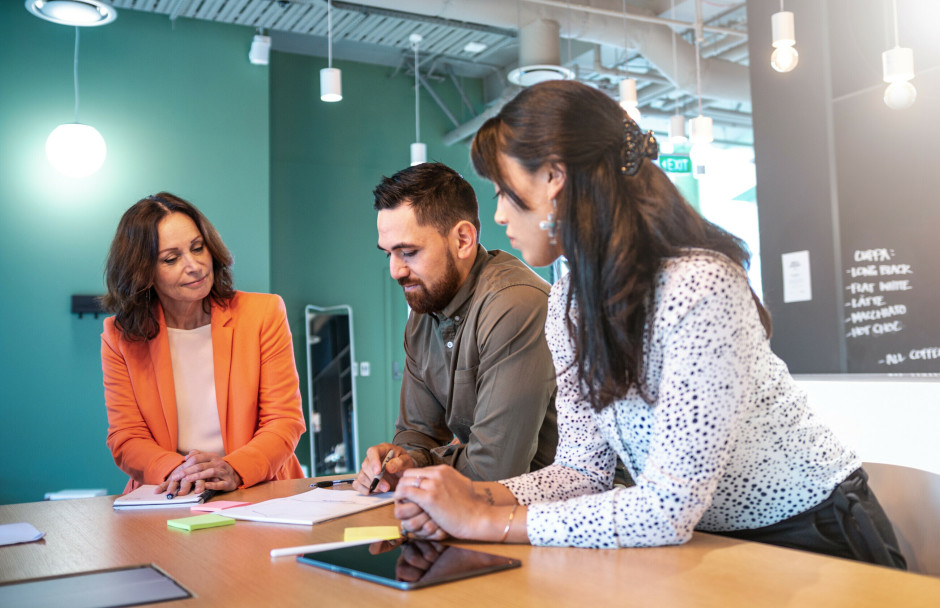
409	565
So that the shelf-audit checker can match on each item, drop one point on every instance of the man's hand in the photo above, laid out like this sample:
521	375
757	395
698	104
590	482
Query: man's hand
372	466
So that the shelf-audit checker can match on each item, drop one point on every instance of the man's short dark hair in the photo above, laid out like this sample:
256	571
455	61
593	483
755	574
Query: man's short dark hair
439	196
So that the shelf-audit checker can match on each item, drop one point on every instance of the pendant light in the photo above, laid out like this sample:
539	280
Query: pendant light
419	151
784	58
898	67
260	51
331	85
628	99
700	127
677	121
74	149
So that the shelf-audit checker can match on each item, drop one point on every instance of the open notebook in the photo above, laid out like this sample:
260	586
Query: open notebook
310	507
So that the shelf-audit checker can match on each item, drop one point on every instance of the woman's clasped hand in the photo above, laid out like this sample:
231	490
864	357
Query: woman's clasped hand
199	472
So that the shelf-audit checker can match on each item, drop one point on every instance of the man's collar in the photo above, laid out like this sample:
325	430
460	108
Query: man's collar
459	301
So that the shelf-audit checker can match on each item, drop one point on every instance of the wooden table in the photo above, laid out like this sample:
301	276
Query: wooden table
230	566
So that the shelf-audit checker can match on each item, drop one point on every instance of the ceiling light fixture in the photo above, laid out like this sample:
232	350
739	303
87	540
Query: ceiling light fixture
628	100
81	13
898	67
677	122
473	47
74	149
784	58
419	151
700	127
260	52
331	82
539	54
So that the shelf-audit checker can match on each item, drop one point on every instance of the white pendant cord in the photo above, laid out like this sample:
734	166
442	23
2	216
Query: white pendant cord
897	39
329	33
626	53
75	73
675	57
698	52
570	34
417	114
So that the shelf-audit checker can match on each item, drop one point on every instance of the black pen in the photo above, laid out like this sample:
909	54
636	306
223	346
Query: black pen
207	495
375	482
330	484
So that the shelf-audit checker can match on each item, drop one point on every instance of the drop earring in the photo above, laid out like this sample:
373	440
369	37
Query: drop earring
550	225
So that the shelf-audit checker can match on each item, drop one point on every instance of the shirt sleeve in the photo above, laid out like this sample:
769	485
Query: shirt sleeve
514	386
421	427
280	414
703	382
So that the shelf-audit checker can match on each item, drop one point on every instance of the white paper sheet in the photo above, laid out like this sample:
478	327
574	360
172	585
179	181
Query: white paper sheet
11	534
310	507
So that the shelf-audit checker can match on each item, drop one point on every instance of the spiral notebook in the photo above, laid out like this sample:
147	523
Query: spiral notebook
144	498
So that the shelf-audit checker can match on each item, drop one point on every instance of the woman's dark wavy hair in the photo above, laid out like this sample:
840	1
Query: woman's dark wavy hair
616	229
132	260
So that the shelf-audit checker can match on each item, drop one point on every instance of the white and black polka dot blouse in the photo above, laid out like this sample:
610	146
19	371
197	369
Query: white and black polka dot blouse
729	442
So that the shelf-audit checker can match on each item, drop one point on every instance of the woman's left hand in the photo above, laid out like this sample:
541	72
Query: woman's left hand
211	469
434	502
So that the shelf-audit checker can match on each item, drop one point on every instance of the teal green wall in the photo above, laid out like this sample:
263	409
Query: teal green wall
181	109
325	160
286	178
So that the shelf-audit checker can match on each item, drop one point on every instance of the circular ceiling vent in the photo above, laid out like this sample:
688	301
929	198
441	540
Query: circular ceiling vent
80	13
533	74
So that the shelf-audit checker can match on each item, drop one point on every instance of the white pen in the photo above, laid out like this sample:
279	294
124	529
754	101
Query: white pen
300	550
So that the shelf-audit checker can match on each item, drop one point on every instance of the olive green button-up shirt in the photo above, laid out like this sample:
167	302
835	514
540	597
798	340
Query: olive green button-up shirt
479	386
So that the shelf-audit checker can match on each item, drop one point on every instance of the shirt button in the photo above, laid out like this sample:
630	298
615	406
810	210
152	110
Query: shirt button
450	345
457	318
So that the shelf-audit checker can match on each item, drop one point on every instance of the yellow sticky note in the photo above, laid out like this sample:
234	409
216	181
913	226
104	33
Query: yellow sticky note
372	532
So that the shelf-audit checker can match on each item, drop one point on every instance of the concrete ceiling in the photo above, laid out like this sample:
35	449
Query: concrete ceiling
654	45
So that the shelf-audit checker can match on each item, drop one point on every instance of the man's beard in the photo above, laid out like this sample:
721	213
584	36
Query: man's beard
426	299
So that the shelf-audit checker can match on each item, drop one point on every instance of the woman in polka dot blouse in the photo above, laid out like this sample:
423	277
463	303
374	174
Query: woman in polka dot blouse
662	358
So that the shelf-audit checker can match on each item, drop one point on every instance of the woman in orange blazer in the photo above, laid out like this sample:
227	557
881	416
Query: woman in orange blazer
200	382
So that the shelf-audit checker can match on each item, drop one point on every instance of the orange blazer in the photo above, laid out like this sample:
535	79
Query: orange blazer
256	386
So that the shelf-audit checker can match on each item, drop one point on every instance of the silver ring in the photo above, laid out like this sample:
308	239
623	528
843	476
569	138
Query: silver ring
418	481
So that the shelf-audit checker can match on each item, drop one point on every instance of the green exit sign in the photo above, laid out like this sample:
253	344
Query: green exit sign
675	164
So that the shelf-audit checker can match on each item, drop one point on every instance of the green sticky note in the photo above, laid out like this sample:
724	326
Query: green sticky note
198	522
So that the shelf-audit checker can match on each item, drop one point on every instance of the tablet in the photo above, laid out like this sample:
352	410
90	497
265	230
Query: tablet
409	565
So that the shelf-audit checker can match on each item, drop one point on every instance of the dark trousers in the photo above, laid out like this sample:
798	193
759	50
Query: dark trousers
850	523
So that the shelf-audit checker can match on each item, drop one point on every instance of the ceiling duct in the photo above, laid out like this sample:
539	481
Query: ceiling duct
539	54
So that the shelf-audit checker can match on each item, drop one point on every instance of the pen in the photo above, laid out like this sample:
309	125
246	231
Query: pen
375	481
207	495
319	547
330	484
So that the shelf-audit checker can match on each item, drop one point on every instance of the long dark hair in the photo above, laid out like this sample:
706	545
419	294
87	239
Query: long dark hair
132	260
616	229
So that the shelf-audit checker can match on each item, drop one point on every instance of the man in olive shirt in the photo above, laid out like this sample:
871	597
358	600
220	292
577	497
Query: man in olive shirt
479	385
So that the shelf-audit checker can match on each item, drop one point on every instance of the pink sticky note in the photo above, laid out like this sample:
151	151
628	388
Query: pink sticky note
218	505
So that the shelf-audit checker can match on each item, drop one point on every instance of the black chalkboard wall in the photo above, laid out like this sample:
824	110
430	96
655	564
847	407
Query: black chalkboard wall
853	182
891	307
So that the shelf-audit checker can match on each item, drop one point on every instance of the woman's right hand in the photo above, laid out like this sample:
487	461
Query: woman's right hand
176	485
448	499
